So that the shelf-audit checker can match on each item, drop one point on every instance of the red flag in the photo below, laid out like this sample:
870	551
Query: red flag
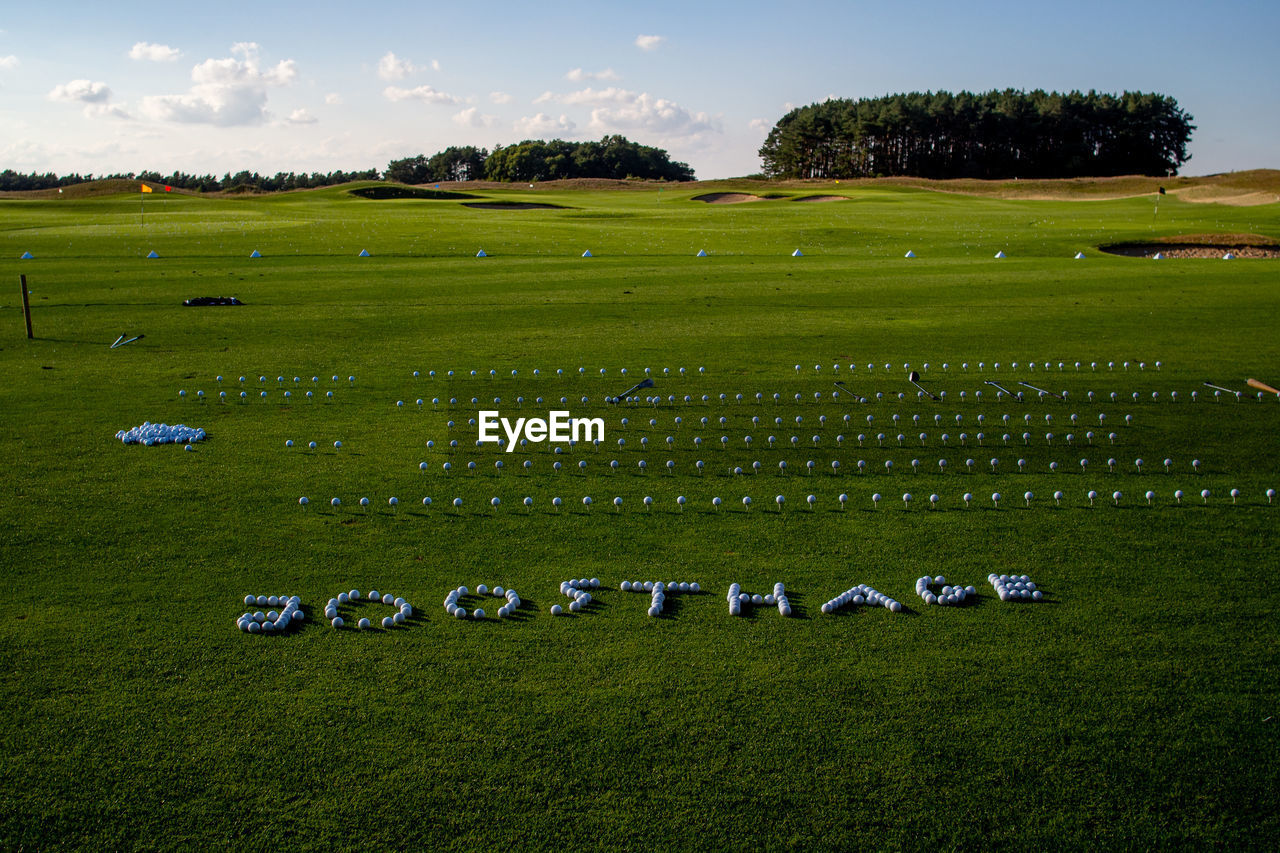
168	189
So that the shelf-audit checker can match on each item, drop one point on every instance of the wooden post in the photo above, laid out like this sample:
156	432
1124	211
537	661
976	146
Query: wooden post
26	307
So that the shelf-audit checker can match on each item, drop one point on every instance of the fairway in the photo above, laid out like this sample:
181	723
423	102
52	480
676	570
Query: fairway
1134	706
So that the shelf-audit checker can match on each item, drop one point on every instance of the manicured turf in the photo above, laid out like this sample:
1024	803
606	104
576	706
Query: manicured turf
1133	707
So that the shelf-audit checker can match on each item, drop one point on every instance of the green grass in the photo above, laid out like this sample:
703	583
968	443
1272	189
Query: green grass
1133	708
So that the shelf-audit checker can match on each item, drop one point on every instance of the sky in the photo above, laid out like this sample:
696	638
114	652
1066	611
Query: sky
205	88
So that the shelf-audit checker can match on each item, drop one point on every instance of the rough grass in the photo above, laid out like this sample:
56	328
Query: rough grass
1134	708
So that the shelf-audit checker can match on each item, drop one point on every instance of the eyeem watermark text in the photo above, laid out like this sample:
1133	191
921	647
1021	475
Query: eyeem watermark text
559	427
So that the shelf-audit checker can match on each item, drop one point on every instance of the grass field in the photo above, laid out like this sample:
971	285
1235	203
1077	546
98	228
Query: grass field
1134	707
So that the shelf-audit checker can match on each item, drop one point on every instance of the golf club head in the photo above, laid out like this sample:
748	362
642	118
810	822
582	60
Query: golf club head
914	376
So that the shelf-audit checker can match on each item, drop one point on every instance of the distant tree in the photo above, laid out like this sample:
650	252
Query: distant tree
996	134
612	157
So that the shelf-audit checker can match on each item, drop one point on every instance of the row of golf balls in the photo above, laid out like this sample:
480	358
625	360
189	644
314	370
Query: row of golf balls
405	610
150	434
1014	587
244	395
658	591
946	594
862	594
1070	439
778	597
812	500
811	466
271	621
453	608
817	368
648	586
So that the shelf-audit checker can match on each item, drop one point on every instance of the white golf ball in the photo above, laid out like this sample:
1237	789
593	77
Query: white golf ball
556	610
388	622
363	623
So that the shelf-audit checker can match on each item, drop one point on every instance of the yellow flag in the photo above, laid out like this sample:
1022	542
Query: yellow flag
146	189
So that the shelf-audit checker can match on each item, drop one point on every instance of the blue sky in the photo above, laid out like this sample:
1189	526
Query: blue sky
88	87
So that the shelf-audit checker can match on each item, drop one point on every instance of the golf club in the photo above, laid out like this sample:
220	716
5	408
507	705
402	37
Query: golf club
1041	390
1218	388
120	343
647	383
848	390
914	378
118	340
999	387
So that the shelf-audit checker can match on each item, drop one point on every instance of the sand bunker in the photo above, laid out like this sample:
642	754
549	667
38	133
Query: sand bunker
727	197
821	198
1195	247
1226	195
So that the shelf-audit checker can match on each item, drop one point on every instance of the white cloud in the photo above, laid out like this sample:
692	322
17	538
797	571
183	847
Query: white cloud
116	111
392	67
616	110
301	116
577	75
224	92
333	99
649	42
589	96
542	125
435	65
500	97
154	52
95	95
651	115
420	93
472	117
7	62
760	124
544	97
85	91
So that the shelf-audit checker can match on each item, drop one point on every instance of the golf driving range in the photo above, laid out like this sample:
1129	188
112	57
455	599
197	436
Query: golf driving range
854	404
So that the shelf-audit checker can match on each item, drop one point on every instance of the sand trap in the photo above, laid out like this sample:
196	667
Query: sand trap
821	198
1225	195
1197	249
510	205
727	198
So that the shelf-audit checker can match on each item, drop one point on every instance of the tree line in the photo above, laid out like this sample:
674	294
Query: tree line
530	160
537	160
997	134
243	181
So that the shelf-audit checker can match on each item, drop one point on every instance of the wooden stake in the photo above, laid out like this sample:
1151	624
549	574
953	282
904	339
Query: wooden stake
26	307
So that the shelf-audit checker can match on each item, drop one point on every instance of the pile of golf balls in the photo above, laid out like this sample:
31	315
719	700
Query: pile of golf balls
271	622
1014	587
946	594
149	434
403	608
454	608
